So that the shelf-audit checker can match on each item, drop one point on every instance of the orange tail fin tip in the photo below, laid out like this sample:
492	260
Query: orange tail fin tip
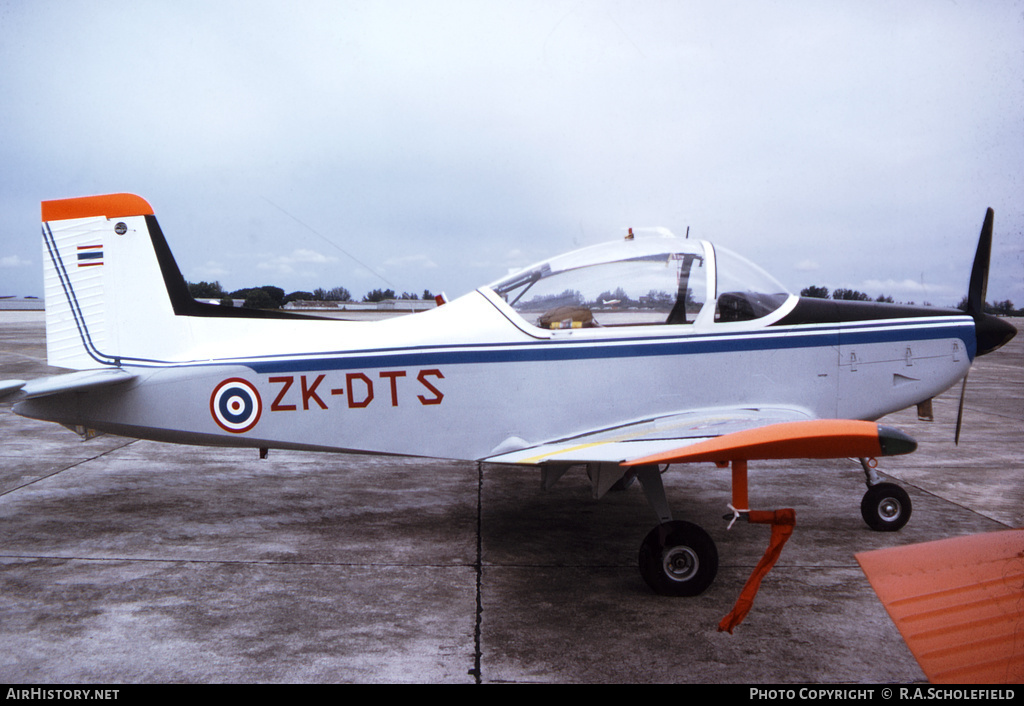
108	206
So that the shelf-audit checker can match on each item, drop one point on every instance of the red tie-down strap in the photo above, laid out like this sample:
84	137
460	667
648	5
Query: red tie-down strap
782	522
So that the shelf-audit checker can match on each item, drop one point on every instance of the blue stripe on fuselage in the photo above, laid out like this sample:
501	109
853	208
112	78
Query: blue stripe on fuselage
877	332
581	349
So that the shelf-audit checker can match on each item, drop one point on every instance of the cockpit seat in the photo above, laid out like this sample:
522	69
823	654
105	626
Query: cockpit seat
567	317
746	306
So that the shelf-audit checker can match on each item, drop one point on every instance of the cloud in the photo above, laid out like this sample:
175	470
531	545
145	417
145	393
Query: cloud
844	139
299	262
421	261
807	266
14	261
211	271
912	290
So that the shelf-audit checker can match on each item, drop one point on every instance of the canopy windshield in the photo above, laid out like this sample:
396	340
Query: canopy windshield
659	280
744	291
633	282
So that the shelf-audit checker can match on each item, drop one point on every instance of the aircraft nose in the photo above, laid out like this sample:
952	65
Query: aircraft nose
992	333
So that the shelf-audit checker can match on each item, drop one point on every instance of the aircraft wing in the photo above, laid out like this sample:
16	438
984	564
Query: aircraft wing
719	436
651	436
957	603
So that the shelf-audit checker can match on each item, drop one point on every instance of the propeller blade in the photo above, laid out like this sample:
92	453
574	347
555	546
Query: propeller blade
991	332
960	412
978	287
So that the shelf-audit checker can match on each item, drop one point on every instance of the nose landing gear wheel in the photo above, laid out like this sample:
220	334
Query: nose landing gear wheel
885	507
678	559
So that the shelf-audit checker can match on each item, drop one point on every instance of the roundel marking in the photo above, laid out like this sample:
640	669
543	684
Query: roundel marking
235	405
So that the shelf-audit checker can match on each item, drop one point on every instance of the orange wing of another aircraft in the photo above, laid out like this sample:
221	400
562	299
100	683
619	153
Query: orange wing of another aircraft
959	604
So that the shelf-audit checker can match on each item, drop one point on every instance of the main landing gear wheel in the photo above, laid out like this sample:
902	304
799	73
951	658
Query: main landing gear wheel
885	507
678	559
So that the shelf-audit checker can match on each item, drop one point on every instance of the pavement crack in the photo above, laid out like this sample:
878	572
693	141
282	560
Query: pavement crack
476	670
67	468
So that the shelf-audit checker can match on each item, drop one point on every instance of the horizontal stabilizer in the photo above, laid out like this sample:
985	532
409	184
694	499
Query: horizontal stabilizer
10	386
820	438
74	382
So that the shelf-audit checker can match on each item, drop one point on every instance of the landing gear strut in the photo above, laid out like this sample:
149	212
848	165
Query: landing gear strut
885	507
676	558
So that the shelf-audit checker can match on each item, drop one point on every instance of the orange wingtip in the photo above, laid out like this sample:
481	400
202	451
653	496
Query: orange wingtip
957	603
107	206
820	438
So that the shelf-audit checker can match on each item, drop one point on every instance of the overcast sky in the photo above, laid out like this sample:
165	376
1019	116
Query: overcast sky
436	145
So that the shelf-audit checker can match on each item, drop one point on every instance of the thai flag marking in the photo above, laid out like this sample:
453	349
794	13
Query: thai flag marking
90	255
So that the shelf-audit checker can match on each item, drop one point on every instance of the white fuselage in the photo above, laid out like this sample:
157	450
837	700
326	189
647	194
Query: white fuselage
599	338
461	380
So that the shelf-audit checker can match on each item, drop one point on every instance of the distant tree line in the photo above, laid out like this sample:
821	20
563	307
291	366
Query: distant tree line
271	297
1003	308
844	294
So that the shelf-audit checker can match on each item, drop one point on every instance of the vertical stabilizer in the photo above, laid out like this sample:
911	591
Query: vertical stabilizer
106	299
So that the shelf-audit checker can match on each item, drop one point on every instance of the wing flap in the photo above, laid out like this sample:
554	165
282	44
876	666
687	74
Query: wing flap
591	452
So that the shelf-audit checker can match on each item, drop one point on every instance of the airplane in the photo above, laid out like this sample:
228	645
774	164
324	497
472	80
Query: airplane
625	357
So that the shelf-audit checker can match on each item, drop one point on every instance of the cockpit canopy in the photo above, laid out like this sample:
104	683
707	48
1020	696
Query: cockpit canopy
641	281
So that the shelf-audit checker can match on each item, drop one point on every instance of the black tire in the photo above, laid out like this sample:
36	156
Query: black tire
886	507
678	559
